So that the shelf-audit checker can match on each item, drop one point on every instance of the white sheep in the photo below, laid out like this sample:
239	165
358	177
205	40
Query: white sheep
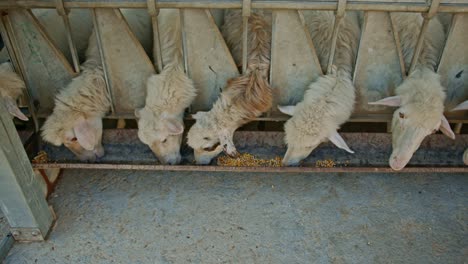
420	97
329	101
79	108
244	98
160	122
463	106
76	120
11	87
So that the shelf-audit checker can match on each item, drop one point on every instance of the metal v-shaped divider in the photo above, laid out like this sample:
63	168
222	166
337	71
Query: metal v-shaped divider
208	60
44	68
453	66
126	64
378	69
294	62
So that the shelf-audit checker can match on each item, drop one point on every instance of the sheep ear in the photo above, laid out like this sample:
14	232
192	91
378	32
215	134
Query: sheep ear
388	101
84	133
138	112
174	127
446	129
336	139
14	110
198	115
287	109
462	106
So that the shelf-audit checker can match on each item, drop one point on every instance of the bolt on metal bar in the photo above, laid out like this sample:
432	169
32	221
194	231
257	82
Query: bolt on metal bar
157	53
103	62
396	37
15	54
427	17
340	13
66	22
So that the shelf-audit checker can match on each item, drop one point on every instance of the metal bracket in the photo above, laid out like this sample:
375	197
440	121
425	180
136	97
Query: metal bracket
340	10
152	10
427	17
432	9
157	52
61	8
246	12
339	14
64	14
27	234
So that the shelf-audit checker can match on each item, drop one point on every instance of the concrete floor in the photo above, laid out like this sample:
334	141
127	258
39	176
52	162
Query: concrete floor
199	217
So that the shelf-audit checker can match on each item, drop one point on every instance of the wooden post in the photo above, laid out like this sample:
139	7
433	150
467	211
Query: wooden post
21	198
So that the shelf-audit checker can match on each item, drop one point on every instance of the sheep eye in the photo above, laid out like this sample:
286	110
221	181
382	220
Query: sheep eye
164	141
402	115
206	138
73	139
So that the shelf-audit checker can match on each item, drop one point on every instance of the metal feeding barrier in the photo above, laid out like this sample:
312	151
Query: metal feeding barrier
208	62
46	68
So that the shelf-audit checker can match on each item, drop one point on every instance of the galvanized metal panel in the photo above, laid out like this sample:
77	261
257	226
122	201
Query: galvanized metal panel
126	62
210	63
21	199
45	68
294	63
377	72
453	66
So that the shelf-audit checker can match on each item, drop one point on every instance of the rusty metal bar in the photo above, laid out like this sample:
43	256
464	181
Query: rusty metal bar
427	17
340	13
157	53
104	66
66	22
18	63
457	7
250	169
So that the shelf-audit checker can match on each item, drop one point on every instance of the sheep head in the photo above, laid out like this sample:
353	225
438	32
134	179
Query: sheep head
302	140
81	135
208	140
420	103
162	133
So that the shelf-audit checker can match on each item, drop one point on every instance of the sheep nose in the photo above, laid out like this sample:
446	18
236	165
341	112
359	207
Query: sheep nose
397	163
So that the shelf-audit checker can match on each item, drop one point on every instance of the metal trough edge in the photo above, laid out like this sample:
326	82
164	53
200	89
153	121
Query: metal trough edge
250	169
